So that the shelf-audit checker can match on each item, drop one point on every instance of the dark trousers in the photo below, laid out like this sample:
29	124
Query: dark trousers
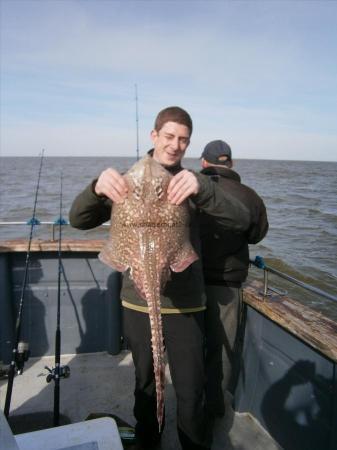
221	327
184	343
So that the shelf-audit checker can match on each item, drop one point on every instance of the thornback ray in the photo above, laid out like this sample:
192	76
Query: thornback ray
150	237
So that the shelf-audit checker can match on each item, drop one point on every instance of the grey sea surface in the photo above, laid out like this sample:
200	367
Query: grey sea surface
300	197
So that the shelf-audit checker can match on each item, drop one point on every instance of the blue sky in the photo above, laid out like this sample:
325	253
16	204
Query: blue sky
261	75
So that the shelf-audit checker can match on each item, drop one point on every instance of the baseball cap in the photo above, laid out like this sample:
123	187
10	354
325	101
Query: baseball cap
215	150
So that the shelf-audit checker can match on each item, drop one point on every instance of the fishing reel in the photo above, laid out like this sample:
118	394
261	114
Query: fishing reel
62	372
21	356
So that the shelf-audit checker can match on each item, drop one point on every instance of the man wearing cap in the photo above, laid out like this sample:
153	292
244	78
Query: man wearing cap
225	258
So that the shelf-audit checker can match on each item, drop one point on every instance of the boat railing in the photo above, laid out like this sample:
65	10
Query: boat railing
260	264
257	262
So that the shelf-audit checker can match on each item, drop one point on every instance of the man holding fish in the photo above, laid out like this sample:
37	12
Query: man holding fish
154	210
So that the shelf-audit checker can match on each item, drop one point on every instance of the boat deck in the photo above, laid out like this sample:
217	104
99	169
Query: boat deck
101	383
287	373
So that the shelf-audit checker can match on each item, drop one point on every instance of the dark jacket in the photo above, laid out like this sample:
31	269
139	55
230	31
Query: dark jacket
185	290
225	253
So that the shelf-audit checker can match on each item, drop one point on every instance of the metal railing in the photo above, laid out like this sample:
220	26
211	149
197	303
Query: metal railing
260	264
54	224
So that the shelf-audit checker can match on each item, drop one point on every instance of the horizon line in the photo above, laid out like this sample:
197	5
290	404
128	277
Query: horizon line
184	158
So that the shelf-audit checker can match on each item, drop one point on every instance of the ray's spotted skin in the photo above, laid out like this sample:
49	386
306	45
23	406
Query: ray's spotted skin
150	236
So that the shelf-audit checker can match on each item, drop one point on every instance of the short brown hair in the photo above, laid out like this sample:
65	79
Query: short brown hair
173	114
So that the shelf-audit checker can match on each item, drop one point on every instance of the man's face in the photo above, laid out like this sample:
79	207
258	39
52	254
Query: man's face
170	143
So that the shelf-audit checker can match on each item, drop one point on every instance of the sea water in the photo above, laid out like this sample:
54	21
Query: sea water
300	197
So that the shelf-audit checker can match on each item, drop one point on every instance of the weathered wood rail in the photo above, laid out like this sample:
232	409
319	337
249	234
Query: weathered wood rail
310	326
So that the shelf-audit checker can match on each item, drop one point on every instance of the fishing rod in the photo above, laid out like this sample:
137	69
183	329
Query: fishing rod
20	352
137	123
58	371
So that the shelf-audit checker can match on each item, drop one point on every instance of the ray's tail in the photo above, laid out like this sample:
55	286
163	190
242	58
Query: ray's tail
152	289
158	356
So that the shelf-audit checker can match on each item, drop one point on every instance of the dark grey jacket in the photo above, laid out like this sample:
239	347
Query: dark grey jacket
225	253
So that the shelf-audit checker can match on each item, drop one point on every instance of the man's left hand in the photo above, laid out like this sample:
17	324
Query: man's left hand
181	186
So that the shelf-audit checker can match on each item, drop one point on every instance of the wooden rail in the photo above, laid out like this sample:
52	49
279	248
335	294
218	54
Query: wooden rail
310	326
39	245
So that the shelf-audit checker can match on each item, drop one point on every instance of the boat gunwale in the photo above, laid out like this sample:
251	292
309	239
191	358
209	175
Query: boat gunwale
310	326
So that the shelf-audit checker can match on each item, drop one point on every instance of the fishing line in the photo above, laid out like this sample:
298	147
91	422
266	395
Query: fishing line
20	352
58	371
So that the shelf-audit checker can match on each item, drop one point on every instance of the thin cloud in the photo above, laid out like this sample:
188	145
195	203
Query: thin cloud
255	69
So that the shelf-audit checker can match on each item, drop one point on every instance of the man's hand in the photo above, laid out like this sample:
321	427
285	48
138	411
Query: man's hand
181	186
113	185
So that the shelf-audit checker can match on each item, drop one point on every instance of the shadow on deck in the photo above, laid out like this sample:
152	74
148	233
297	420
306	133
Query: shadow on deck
103	384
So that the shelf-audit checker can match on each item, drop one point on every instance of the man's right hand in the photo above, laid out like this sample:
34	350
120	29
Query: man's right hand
113	185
